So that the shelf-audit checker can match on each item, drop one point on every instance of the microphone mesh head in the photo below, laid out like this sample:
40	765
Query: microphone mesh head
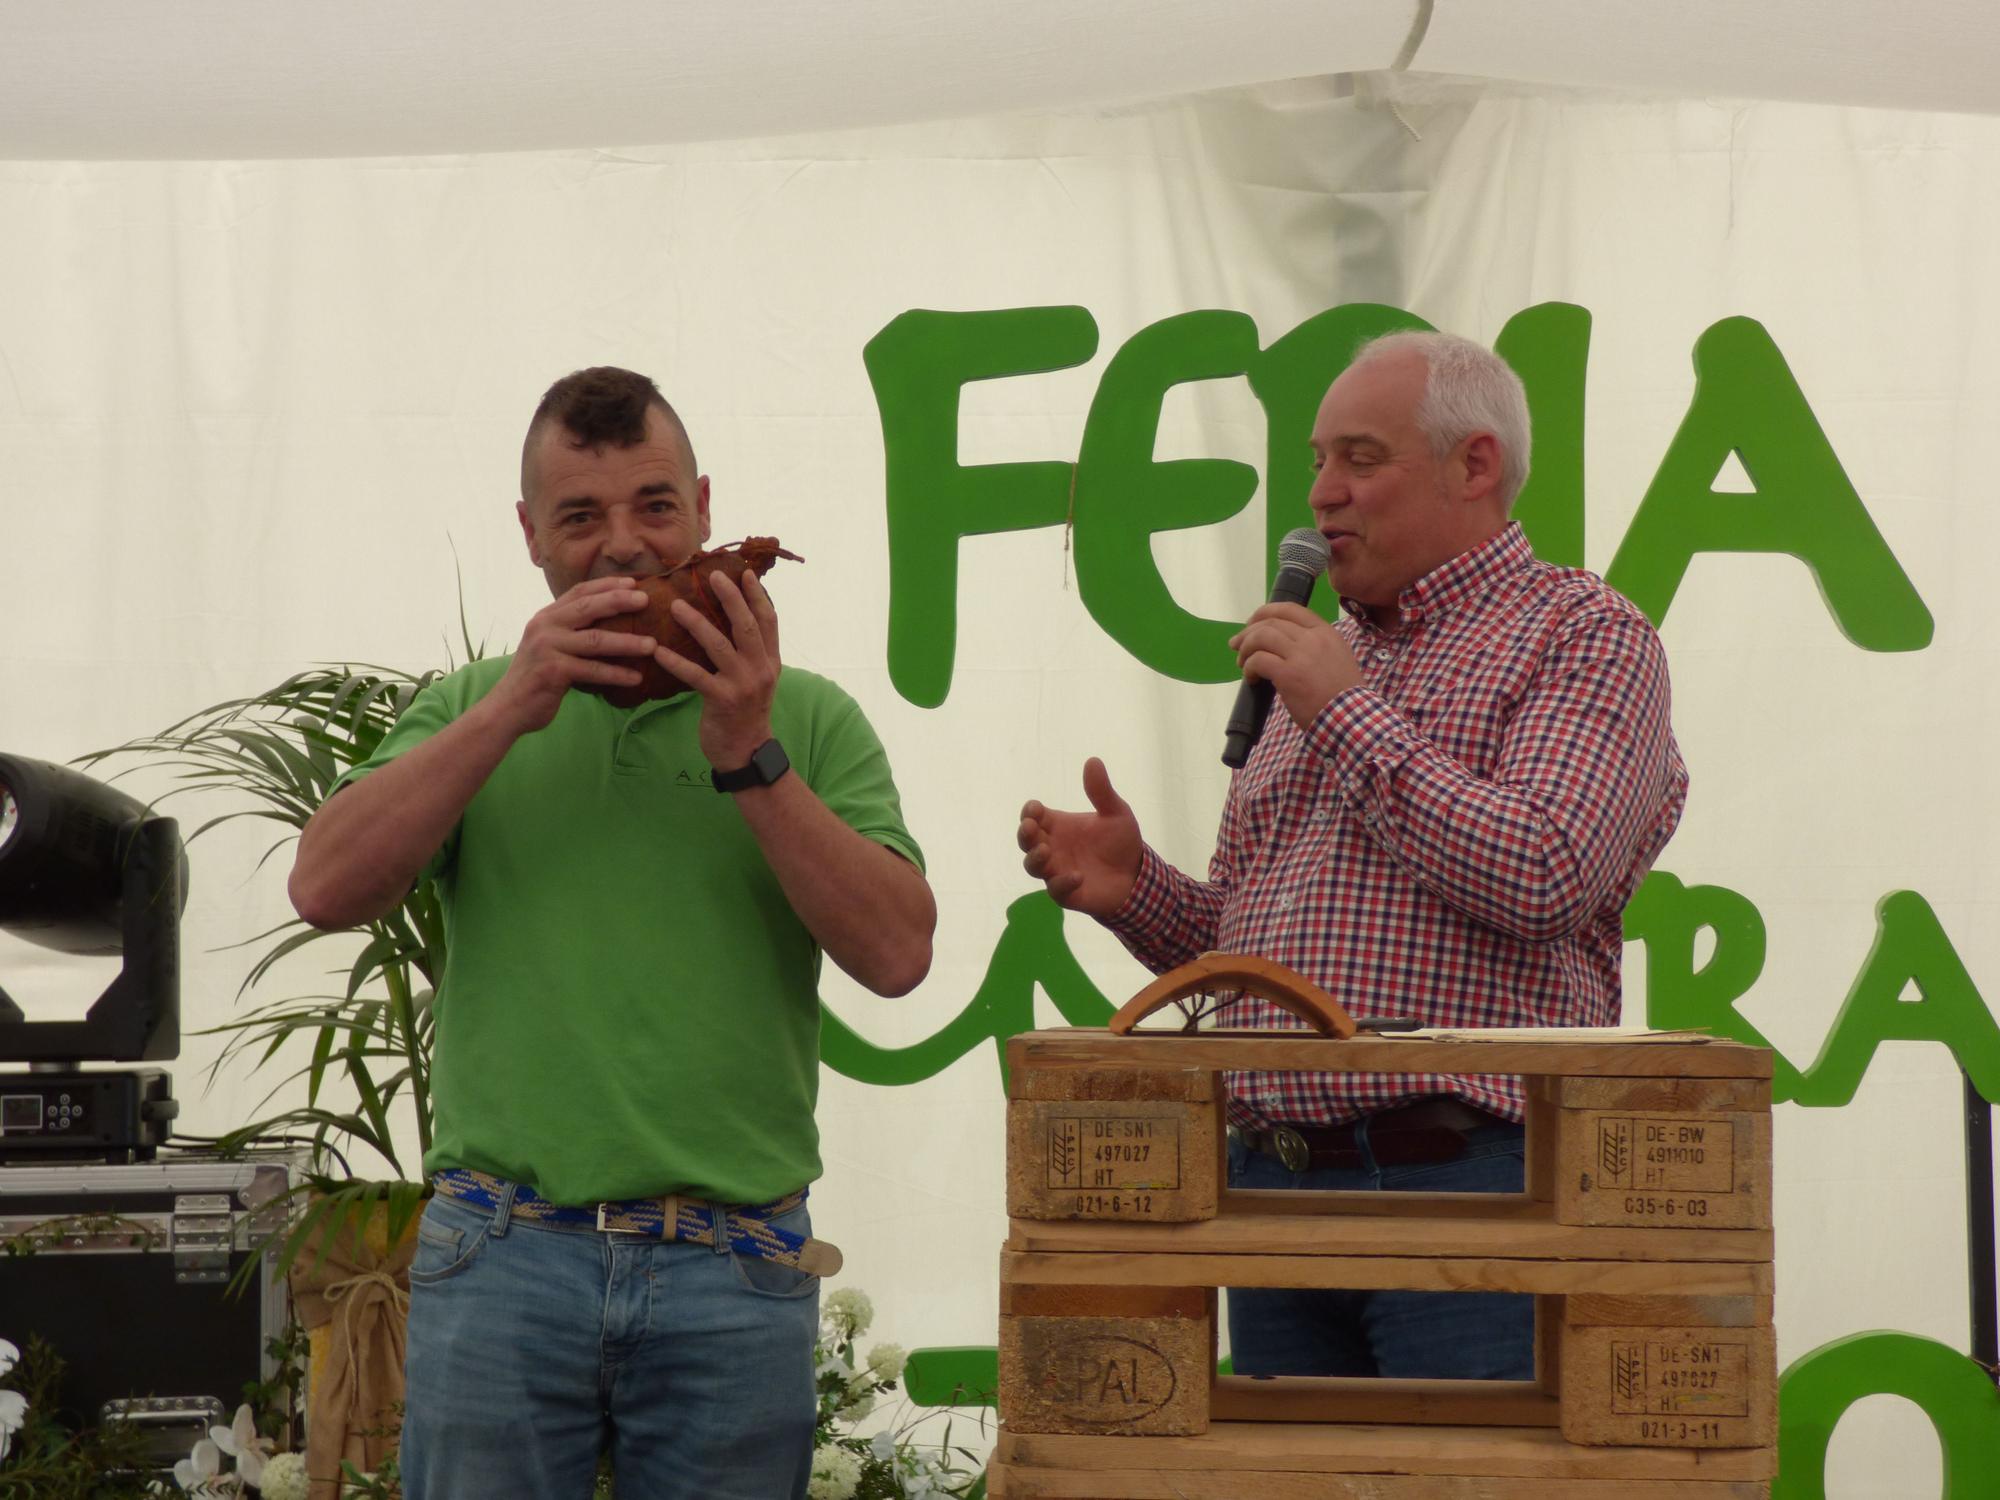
1303	549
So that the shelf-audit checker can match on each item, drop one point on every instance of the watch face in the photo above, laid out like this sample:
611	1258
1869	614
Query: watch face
770	761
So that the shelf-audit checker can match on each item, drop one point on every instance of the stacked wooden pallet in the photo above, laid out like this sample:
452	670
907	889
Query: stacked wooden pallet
1644	1234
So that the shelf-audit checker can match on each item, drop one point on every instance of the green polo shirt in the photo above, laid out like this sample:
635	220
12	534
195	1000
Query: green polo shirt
629	1005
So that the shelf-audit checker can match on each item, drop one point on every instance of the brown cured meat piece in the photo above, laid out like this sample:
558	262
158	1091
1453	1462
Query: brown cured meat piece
754	554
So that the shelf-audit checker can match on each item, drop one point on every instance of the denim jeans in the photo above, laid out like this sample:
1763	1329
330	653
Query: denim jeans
532	1350
1411	1335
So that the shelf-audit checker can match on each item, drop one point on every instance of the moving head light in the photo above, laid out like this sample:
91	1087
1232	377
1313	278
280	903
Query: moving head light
85	869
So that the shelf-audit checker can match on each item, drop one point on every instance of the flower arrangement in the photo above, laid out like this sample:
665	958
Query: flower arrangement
42	1459
48	1462
891	1464
259	1469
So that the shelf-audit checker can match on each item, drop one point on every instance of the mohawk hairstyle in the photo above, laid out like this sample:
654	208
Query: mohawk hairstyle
603	406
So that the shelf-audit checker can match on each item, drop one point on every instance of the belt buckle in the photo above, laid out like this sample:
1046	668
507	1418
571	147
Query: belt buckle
1292	1148
604	1228
669	1215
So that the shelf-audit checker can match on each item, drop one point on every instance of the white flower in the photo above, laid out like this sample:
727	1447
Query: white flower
836	1474
13	1405
883	1446
924	1474
284	1478
13	1413
887	1361
857	1407
199	1472
240	1440
850	1311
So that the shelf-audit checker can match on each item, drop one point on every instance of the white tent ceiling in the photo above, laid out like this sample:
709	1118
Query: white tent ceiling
227	79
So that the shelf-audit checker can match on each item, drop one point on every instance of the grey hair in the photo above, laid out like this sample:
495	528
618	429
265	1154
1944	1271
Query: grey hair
1469	389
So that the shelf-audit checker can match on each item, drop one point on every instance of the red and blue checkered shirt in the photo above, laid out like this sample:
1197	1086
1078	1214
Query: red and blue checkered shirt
1455	840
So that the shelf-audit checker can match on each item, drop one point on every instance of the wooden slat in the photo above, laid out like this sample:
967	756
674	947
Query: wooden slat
1582	1092
1111	1083
1548	1343
1073	1301
1294	1202
1667	1311
1539	1149
1396	1224
1008	1483
1403	1273
1450	1403
1241	1448
1527	1052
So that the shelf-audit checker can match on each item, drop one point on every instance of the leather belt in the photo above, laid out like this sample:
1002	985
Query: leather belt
690	1220
1430	1130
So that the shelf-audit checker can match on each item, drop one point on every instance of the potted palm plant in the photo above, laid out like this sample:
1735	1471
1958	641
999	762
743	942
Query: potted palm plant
275	756
362	1047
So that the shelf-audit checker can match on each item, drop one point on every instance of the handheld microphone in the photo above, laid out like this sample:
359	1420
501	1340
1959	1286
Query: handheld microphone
1302	557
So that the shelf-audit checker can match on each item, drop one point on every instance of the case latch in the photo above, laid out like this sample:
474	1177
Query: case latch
204	1231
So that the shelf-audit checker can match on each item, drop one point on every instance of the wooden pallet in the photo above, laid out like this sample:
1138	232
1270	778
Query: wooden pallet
1644	1234
1289	1461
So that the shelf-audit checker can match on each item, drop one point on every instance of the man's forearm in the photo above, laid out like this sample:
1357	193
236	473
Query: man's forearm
367	844
866	906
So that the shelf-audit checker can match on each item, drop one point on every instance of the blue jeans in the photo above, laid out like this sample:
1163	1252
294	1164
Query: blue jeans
1409	1335
532	1350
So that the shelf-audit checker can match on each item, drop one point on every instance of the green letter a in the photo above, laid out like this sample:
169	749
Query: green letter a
1910	949
1746	402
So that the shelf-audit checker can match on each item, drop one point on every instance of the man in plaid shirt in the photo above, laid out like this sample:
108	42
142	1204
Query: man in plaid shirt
1473	772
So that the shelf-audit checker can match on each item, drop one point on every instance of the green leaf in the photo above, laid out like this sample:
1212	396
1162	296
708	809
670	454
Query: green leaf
406	1202
291	944
370	962
322	1053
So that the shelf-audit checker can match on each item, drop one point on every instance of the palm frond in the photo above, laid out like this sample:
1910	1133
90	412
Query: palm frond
276	756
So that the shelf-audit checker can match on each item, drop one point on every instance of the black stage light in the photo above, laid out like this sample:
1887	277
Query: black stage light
85	869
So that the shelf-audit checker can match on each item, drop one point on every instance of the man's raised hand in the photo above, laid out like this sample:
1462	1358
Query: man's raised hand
1303	658
563	646
736	696
1089	861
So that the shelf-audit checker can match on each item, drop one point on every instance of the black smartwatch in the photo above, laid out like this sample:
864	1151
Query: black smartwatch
767	763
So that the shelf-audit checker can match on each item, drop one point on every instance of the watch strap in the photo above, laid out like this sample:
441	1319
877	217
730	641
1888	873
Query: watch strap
767	763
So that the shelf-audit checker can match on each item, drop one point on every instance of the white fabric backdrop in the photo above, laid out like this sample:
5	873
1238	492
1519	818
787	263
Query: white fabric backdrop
248	411
113	80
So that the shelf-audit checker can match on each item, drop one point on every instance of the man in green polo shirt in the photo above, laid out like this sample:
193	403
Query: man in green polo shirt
618	1254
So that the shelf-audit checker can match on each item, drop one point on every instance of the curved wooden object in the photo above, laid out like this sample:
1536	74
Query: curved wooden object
1283	987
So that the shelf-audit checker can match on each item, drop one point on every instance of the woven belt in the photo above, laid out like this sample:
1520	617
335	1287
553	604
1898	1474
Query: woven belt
1430	1130
688	1220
